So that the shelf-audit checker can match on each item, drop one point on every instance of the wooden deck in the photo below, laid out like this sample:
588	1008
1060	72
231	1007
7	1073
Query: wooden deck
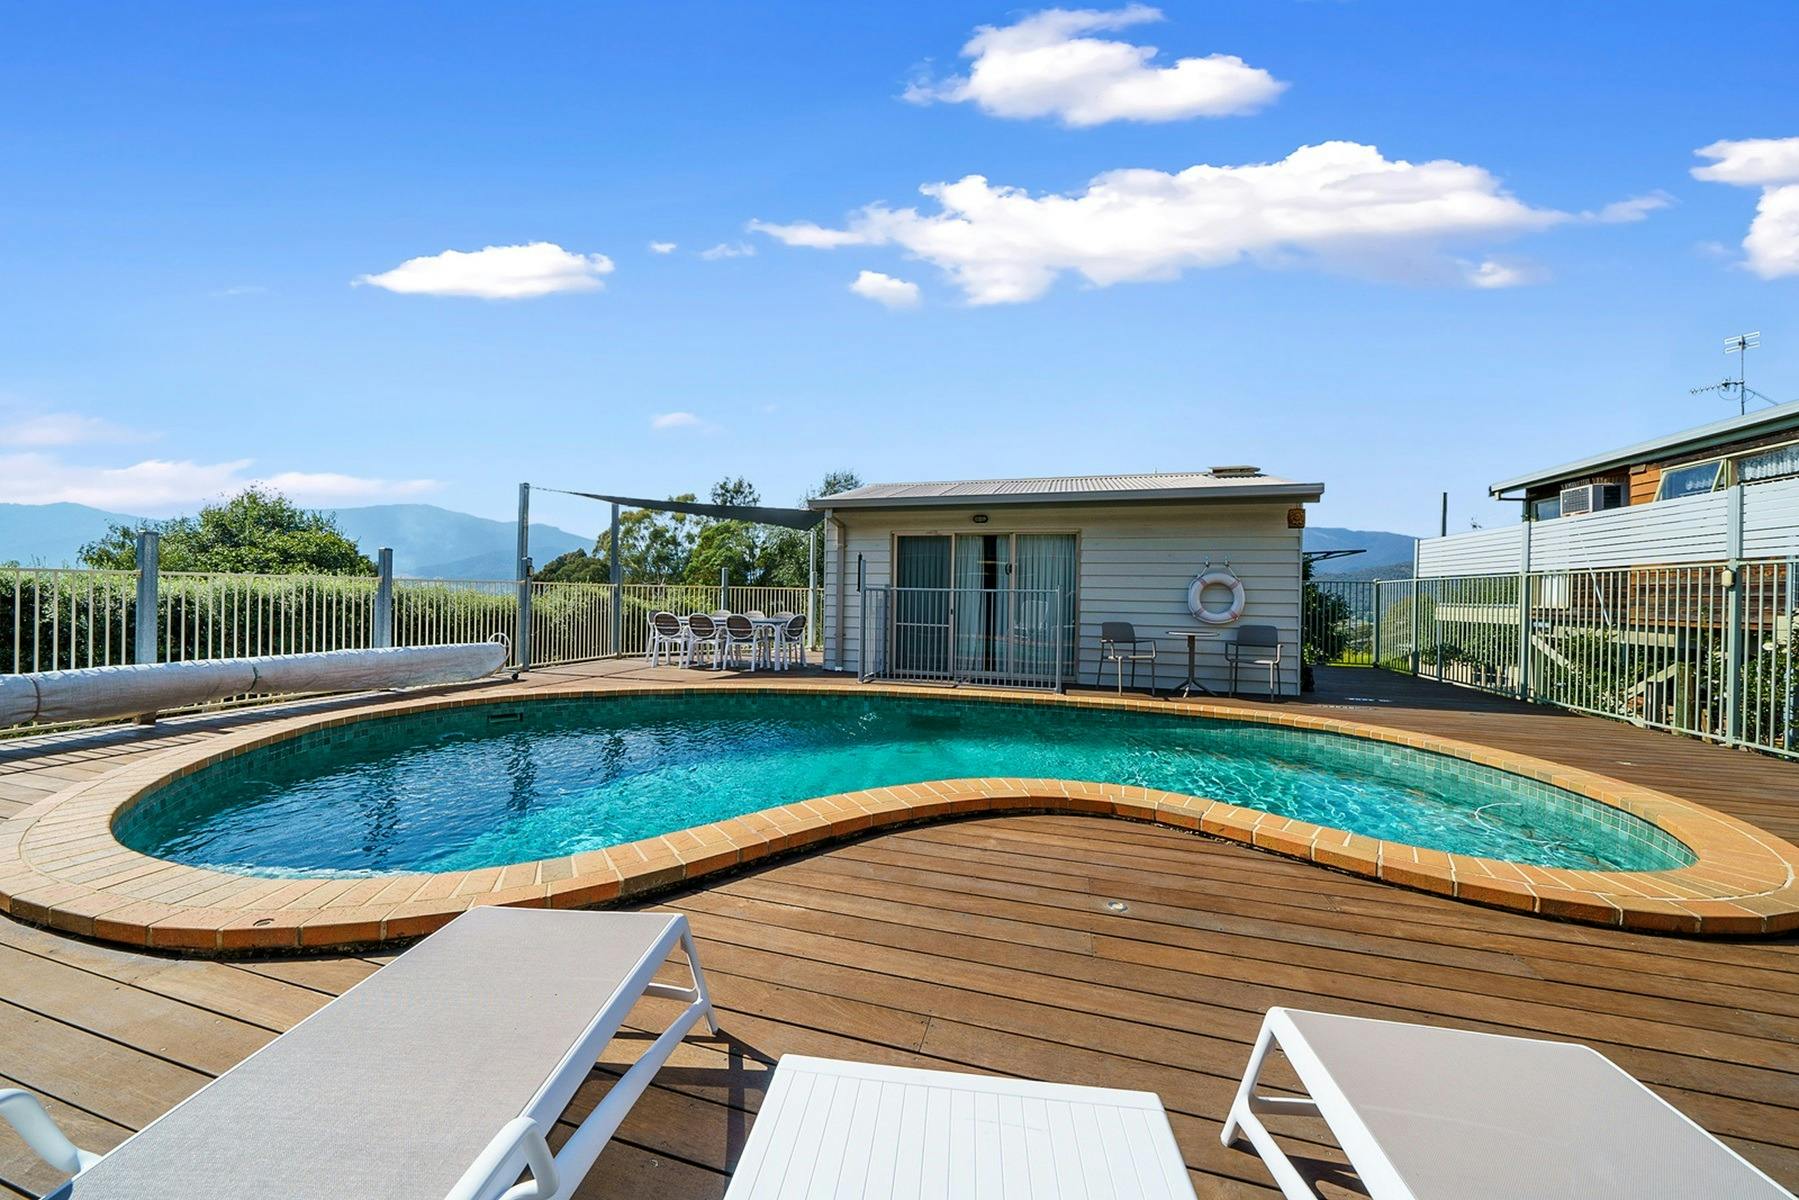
988	945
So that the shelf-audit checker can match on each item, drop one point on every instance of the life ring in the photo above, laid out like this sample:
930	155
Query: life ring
1196	590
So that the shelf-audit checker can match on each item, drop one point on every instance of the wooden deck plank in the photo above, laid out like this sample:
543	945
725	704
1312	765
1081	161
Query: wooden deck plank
986	945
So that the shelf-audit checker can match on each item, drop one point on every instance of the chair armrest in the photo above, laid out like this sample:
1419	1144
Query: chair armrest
22	1111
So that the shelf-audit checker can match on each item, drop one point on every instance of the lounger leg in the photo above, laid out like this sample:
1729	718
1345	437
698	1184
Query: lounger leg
39	1130
1243	1118
699	980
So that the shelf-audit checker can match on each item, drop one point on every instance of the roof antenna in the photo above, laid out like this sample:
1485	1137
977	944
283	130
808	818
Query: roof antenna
1742	344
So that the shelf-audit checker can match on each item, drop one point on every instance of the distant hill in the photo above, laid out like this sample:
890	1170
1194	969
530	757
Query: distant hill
1388	554
50	535
435	543
428	542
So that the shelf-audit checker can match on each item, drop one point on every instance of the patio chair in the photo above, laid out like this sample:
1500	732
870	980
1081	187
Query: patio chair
703	633
667	635
438	1076
740	631
790	640
1422	1111
1119	643
848	1129
1256	646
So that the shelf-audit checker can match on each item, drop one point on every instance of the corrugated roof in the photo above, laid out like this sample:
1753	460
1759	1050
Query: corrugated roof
1716	433
1067	489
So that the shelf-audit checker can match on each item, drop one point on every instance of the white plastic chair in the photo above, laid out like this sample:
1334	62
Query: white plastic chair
667	635
790	640
703	634
739	632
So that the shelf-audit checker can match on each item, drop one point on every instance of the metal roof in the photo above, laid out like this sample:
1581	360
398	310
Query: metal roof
1073	489
1716	433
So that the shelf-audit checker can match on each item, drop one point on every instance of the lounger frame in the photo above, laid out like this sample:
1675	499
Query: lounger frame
521	1144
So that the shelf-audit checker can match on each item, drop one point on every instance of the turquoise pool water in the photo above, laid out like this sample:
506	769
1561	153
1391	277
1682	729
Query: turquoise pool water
494	784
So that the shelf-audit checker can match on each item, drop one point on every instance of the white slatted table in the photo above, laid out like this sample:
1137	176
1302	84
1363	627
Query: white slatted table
846	1130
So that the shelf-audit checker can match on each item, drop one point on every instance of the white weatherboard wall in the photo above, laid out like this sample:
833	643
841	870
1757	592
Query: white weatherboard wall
1694	529
1135	563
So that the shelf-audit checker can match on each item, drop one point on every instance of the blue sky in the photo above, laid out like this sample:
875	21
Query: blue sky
191	194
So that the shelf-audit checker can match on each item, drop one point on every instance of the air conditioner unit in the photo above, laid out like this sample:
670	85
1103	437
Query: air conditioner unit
1591	497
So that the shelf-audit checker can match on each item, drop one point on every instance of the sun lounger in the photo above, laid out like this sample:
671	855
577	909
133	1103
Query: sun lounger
1425	1113
846	1130
438	1076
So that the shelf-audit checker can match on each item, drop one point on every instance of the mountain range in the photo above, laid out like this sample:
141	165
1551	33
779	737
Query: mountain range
428	542
436	543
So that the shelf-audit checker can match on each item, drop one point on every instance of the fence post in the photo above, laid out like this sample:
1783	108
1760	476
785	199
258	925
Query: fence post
1377	623
1524	611
382	635
618	591
1733	618
521	642
724	588
149	549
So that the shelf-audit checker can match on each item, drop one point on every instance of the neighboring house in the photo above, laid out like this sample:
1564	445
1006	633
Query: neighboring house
955	579
1758	447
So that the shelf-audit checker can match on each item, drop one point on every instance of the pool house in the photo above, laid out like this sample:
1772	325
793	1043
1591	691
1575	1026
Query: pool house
1013	581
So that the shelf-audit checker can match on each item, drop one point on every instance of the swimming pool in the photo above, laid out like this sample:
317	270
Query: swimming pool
488	785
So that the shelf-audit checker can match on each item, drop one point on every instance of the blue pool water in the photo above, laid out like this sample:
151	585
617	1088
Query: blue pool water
494	784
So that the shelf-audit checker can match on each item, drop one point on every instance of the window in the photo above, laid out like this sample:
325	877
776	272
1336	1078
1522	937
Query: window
1692	480
1546	509
1764	465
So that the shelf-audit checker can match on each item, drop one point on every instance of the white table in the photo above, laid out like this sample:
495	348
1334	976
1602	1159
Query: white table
1193	638
846	1130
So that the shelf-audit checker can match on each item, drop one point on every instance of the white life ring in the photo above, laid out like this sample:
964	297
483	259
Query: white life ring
1196	590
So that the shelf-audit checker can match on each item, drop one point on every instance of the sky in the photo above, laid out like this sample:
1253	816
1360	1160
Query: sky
374	253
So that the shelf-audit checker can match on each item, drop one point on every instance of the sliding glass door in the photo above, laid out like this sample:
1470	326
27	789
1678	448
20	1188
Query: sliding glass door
981	607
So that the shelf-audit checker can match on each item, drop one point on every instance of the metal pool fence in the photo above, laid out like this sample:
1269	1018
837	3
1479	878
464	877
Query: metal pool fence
54	620
1002	637
1703	649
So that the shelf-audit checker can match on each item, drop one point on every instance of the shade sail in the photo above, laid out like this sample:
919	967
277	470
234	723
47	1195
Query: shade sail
788	518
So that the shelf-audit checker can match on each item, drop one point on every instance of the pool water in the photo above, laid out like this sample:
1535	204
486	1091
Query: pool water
493	784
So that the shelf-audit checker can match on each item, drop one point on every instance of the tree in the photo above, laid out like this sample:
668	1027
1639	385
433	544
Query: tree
258	531
654	547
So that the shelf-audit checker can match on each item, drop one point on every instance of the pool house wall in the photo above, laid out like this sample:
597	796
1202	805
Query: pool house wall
1134	563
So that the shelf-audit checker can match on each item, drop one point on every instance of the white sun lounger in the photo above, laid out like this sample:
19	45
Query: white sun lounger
847	1130
438	1076
1425	1113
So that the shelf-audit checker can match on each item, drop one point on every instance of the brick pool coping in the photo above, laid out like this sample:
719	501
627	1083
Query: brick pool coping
61	866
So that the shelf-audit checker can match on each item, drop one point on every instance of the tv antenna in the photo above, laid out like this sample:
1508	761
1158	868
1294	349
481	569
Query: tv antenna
1742	344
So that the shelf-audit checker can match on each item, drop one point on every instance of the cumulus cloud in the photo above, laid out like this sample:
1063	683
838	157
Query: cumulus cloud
164	485
1045	66
496	273
662	247
62	429
1494	273
1636	208
885	289
1339	204
670	422
1771	247
728	250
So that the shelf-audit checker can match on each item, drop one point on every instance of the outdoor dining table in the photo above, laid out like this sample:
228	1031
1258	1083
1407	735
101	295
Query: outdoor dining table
1193	637
770	625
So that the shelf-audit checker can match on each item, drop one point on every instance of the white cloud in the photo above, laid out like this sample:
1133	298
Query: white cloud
243	289
669	422
63	429
1751	162
1339	204
1042	66
496	273
662	247
728	250
162	485
1636	208
1493	273
885	289
1771	248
